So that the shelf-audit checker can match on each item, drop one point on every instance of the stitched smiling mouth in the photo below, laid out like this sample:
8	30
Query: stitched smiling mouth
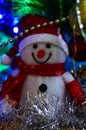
39	61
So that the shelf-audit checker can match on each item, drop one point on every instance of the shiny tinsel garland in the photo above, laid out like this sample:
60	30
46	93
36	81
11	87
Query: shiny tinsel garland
36	116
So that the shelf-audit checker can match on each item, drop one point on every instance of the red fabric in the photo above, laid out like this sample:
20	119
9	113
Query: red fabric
26	23
13	86
33	20
76	93
41	70
13	51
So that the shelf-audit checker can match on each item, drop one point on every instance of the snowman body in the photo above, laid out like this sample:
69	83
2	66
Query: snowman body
53	88
49	86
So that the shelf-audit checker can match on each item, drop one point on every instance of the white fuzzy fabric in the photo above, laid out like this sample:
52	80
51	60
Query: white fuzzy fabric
43	37
55	89
68	77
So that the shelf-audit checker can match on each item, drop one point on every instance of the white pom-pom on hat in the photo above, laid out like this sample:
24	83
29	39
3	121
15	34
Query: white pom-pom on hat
6	60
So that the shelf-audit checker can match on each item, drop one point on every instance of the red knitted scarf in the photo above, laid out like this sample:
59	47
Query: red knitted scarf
55	69
13	86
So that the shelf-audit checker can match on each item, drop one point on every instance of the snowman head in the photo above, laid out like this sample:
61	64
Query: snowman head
39	41
43	48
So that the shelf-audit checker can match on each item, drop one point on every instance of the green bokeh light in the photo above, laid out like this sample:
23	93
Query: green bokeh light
3	67
4	49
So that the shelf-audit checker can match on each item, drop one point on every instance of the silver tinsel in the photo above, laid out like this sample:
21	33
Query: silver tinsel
36	115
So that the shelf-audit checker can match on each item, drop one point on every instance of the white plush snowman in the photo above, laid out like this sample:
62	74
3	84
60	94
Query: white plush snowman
40	66
49	57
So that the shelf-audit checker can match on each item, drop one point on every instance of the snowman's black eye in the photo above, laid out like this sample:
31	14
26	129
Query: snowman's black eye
35	46
48	45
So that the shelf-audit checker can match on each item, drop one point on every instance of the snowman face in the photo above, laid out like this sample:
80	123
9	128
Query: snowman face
42	53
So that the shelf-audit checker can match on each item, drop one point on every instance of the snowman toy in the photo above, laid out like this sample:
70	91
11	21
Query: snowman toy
40	65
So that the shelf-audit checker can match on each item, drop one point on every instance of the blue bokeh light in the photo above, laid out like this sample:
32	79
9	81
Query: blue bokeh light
15	29
15	20
1	16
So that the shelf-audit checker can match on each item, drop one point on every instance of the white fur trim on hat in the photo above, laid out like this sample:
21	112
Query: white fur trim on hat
43	37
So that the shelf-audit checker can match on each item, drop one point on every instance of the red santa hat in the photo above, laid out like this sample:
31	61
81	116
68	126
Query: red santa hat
35	29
